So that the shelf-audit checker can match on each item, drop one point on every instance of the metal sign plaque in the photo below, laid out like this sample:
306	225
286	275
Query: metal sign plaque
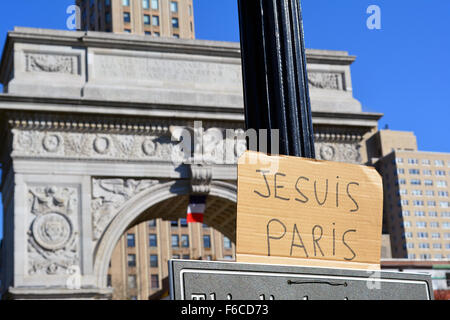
201	280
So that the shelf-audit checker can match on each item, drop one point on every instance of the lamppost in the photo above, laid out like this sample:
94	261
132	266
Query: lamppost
276	90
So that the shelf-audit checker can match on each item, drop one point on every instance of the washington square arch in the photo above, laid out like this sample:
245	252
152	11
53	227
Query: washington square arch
90	122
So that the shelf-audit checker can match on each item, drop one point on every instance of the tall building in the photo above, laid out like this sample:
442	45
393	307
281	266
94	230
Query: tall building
165	18
416	200
139	264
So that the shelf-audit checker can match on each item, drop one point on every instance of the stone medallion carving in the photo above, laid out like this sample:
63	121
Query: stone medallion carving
52	231
327	152
149	147
51	142
101	144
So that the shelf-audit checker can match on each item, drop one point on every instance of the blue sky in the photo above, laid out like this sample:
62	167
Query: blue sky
402	70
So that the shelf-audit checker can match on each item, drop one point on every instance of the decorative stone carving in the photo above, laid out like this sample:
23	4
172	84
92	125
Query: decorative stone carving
324	80
341	152
108	195
53	235
201	177
327	152
51	63
149	147
52	231
51	142
101	144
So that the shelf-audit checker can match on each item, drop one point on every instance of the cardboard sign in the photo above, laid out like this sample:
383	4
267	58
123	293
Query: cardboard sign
308	212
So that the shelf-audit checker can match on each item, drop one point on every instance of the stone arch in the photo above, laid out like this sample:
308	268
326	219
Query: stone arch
139	208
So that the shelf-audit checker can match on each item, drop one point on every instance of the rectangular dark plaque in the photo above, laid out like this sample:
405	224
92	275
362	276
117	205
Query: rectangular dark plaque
201	280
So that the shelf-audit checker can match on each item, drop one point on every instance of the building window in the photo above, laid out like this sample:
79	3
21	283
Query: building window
437	246
411	256
127	30
154	281
400	171
435	235
398	160
441	184
108	17
404	202
132	283
434	224
155	21
446	225
422	235
146	19
414	171
131	260
175	35
185	241
427	172
426	162
419	213
173	6
148	33
152	223
431	203
413	161
131	241
126	3
175	23
175	256
440	173
153	261
186	257
443	194
156	34
416	192
146	4
421	224
424	245
425	256
152	242
109	281
438	163
155	4
175	241
183	223
407	224
174	224
433	214
444	204
429	193
226	243
415	182
206	241
126	17
406	213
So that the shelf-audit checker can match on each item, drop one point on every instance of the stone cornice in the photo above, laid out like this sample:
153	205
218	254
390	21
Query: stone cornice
145	43
135	115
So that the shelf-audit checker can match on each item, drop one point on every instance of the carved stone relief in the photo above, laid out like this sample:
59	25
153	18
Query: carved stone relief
107	197
340	152
51	63
211	146
53	231
326	80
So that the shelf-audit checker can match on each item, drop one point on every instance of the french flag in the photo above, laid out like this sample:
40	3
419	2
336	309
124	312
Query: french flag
196	209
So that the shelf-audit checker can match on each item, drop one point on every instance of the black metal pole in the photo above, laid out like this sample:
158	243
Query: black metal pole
276	90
